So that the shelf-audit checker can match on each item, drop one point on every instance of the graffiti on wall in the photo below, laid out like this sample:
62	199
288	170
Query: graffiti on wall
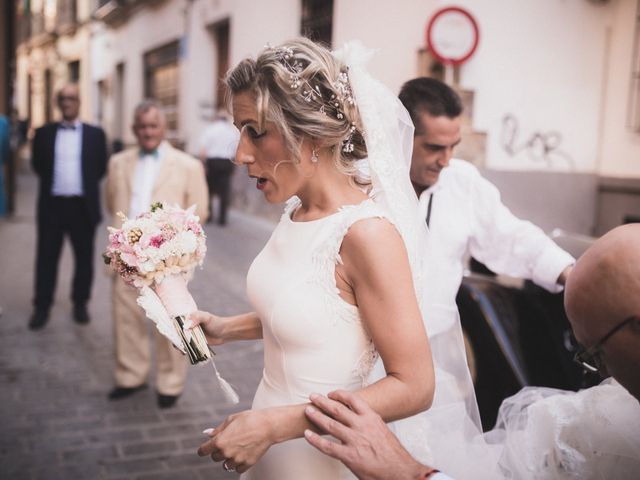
539	146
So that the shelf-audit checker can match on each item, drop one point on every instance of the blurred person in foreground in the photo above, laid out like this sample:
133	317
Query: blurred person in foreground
153	171
70	159
463	210
217	150
603	304
599	427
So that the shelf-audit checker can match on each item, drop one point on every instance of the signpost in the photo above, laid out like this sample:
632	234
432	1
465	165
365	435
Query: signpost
452	38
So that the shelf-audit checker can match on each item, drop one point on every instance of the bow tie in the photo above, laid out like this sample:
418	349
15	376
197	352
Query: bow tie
67	126
153	153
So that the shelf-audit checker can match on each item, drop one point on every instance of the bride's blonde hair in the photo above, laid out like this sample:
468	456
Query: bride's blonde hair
305	91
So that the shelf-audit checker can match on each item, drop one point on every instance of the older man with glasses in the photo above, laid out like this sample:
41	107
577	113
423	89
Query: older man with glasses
603	305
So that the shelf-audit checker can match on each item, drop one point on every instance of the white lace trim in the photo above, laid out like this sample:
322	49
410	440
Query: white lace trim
366	362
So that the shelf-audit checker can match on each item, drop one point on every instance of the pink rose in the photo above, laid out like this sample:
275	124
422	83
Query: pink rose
156	241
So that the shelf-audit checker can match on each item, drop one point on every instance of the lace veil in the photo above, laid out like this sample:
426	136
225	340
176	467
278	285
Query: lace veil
450	430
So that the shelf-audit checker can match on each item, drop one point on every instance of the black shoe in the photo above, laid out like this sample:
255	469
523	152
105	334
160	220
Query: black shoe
81	315
123	392
167	401
39	319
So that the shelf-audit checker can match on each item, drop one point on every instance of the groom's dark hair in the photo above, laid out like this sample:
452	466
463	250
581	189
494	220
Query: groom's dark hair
428	95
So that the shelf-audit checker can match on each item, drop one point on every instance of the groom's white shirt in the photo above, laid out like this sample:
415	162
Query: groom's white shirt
67	163
468	218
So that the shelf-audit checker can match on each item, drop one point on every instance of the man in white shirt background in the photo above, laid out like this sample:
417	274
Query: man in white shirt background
218	146
70	159
467	219
153	171
463	210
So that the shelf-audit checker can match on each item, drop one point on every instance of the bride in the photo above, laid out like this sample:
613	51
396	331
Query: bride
334	288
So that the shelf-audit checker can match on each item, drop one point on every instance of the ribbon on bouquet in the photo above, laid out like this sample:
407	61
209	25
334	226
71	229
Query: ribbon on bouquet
169	323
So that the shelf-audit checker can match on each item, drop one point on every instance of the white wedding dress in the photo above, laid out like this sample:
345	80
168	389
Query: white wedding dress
314	341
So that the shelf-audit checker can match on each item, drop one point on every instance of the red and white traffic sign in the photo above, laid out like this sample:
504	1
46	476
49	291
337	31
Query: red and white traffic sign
452	35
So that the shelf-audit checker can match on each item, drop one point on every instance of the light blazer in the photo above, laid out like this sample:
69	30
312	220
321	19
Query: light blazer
181	180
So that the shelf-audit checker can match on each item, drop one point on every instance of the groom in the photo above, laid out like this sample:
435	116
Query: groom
603	304
152	172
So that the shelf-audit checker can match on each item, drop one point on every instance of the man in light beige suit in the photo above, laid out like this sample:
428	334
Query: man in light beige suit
152	172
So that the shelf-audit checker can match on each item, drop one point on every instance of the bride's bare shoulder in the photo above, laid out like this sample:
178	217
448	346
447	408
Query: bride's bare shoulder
370	239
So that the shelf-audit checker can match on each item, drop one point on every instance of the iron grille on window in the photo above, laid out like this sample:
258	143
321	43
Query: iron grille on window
317	20
67	13
73	69
161	83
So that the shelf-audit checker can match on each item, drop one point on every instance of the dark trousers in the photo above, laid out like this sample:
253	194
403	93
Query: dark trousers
219	171
64	216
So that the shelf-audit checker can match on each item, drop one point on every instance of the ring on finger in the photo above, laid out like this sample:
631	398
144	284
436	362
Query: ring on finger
227	467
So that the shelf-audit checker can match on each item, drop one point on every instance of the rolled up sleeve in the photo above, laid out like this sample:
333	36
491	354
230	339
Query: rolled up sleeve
511	246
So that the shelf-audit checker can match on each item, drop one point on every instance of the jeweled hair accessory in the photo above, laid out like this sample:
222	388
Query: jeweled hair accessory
340	95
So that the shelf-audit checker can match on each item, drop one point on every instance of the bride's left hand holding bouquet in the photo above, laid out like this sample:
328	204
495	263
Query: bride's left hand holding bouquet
157	253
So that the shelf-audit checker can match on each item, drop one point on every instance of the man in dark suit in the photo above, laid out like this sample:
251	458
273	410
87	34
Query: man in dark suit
70	157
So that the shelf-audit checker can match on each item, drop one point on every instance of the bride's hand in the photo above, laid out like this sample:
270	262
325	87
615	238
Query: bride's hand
240	440
212	326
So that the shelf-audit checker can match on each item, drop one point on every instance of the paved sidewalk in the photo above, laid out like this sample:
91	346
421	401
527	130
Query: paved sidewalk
56	422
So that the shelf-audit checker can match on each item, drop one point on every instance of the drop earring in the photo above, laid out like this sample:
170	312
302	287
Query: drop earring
314	156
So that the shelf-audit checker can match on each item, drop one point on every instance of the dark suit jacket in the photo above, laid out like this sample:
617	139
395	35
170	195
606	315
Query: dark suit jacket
94	166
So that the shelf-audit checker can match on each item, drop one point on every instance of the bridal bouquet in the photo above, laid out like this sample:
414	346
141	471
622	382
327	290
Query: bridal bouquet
157	252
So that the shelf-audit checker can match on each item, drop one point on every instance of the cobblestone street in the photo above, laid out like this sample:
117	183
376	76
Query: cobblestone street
56	420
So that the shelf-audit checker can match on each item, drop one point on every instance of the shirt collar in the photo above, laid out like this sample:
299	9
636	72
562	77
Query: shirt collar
154	154
72	125
436	186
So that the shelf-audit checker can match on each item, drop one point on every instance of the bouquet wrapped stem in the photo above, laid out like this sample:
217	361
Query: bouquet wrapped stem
178	302
196	346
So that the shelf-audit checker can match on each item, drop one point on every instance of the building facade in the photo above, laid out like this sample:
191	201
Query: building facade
552	92
53	48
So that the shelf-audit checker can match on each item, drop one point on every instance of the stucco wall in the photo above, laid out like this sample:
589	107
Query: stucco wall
558	69
620	153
